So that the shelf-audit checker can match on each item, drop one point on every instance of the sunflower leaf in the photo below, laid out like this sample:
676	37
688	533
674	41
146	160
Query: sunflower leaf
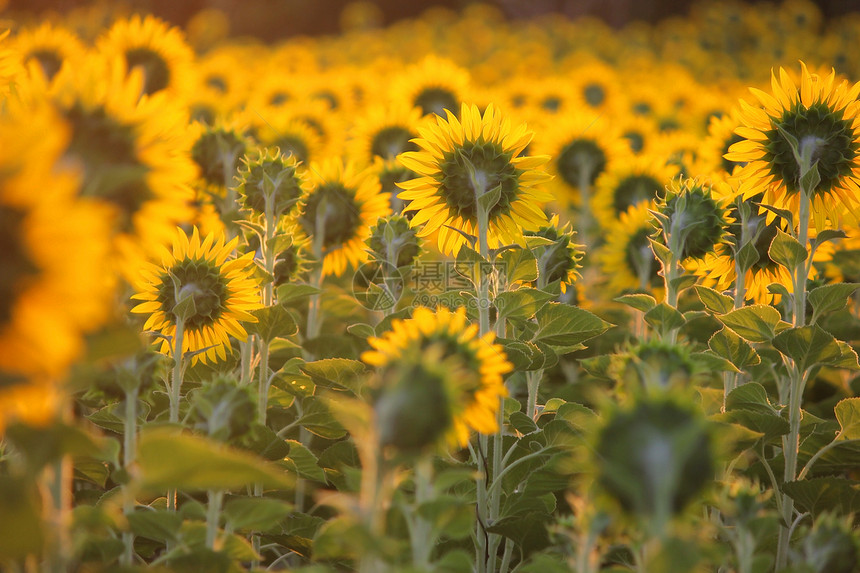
747	256
714	301
167	458
294	291
643	302
829	298
520	304
755	323
733	348
848	415
272	322
808	346
787	251
664	319
562	325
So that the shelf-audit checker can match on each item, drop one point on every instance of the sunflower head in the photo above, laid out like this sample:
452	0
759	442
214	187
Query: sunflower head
294	258
626	257
470	164
342	203
217	151
654	457
803	139
269	183
197	285
560	259
692	220
392	240
471	380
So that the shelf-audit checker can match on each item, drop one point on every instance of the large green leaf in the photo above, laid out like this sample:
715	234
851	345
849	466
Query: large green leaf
829	298
848	415
169	459
808	346
770	426
272	322
21	531
337	373
755	323
714	301
639	301
787	251
255	513
301	460
563	325
727	344
318	419
750	396
520	304
825	494
518	265
156	524
664	319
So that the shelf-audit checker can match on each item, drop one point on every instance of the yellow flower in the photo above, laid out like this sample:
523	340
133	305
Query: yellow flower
474	395
56	281
627	259
160	51
822	116
49	47
458	154
434	84
222	291
341	205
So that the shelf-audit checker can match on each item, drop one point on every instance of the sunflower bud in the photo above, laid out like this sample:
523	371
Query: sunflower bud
268	182
654	458
830	547
559	260
657	365
223	409
693	221
393	241
217	151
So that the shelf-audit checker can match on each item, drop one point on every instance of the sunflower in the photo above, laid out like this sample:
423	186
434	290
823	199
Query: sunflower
721	136
341	205
160	51
384	131
626	257
473	390
560	259
717	269
595	85
49	46
56	281
458	154
434	85
822	117
223	293
133	154
582	146
637	180
292	136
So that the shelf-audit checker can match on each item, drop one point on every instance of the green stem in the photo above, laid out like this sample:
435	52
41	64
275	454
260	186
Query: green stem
533	378
213	516
175	395
129	438
421	533
797	379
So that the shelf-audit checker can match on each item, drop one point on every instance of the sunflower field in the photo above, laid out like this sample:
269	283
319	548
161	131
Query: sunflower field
459	294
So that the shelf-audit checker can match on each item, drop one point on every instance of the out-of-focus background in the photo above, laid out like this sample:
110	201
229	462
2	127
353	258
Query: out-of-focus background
270	20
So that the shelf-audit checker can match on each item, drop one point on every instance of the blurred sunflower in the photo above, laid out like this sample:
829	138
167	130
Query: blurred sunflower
56	281
49	46
821	117
341	205
384	131
582	146
223	293
456	156
595	85
295	137
133	154
721	136
472	387
160	51
626	258
636	180
434	85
